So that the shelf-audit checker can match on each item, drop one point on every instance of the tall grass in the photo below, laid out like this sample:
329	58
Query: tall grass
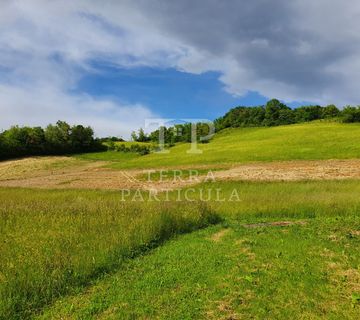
53	242
285	200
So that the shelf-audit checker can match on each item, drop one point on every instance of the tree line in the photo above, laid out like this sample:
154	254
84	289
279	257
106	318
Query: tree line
62	138
57	139
275	113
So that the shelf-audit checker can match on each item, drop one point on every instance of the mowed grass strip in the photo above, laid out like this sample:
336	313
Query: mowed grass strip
302	272
53	242
309	141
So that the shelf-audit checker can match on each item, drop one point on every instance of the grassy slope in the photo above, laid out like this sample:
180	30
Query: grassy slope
309	271
263	273
53	242
119	157
316	140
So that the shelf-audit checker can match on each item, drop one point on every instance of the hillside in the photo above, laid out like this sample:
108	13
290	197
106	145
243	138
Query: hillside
308	141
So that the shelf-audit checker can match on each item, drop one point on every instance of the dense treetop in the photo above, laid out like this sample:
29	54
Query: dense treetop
60	138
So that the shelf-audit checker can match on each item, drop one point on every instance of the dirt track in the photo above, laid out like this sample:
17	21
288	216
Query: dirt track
63	172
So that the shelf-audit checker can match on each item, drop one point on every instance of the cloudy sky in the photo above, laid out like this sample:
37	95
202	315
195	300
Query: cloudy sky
113	63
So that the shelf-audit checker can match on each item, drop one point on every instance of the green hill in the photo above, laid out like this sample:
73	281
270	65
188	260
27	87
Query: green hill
308	141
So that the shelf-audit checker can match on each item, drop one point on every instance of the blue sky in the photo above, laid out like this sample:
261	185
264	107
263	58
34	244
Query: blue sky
114	64
171	93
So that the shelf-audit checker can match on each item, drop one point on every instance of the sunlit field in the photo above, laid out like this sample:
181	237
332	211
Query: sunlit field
56	242
308	141
179	160
60	242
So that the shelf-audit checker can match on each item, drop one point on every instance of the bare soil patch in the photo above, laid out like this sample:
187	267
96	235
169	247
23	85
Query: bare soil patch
216	237
67	172
294	171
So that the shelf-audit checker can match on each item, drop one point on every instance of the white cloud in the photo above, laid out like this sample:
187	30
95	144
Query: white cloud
293	50
45	104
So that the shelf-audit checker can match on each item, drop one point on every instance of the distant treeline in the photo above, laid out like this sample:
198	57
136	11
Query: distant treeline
274	113
172	135
62	138
53	140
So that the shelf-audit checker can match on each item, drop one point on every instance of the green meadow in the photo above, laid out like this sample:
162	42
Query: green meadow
278	250
84	255
54	242
307	141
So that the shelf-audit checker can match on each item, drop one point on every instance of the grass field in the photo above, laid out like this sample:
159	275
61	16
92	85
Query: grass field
58	241
119	157
231	271
309	141
259	273
280	250
55	242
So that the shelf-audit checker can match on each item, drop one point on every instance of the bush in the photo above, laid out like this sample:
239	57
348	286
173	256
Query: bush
135	148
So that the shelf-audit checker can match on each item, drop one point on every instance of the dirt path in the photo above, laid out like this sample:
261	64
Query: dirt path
64	172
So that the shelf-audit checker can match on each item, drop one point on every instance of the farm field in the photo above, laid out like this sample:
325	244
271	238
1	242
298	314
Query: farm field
291	234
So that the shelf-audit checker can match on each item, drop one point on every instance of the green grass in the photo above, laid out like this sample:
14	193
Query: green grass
56	242
128	144
261	273
86	254
315	140
309	271
53	242
282	200
120	157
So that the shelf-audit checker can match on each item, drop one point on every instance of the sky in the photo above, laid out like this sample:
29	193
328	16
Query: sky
112	64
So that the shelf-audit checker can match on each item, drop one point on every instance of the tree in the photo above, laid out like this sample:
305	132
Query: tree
272	112
58	137
35	143
55	139
330	111
351	114
142	137
308	113
286	116
81	137
15	141
134	136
